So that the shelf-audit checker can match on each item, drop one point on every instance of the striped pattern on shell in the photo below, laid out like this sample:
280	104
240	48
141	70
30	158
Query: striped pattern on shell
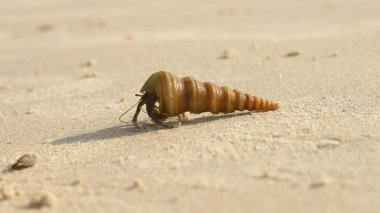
178	95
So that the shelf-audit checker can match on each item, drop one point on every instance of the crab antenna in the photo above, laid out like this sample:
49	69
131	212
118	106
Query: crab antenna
128	111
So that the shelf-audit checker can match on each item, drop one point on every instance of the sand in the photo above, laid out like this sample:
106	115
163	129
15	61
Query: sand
68	69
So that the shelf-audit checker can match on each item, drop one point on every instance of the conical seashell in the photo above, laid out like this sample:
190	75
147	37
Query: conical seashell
178	95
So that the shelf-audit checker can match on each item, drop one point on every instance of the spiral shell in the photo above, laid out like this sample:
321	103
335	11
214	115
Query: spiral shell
178	95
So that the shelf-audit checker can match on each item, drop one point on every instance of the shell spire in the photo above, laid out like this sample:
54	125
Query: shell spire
242	101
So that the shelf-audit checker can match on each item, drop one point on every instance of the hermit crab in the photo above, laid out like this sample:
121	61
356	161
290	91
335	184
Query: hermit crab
166	95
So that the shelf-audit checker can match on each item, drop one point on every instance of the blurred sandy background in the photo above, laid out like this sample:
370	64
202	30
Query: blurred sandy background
69	68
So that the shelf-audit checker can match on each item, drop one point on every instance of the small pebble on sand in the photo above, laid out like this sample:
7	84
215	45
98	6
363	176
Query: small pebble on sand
46	200
328	143
30	111
323	182
77	182
88	63
293	53
89	75
122	100
332	55
228	54
24	162
137	184
45	28
268	176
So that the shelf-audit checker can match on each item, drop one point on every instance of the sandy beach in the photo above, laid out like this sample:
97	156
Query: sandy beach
69	69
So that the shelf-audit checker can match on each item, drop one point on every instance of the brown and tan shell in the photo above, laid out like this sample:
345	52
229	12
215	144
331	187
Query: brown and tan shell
178	95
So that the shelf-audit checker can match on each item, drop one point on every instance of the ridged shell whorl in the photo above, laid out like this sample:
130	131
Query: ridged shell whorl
178	95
